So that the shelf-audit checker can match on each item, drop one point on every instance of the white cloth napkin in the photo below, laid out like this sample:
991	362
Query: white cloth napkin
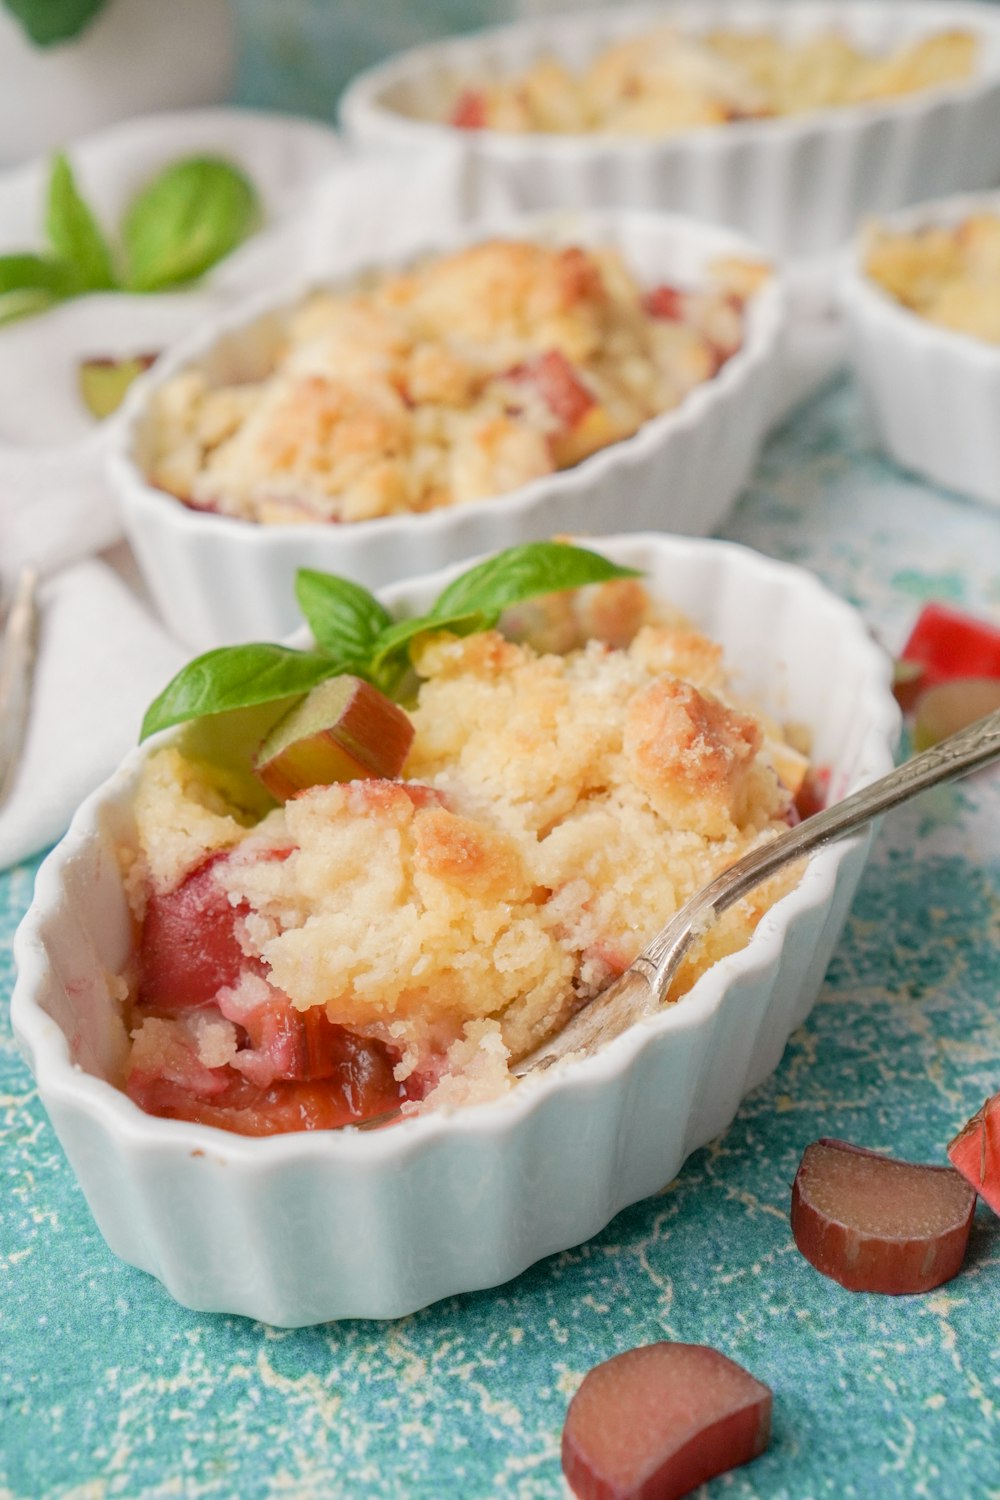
101	659
103	656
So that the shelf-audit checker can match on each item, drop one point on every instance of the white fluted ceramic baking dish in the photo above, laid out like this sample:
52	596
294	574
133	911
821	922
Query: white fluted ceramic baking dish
933	393
303	1228
798	185
216	580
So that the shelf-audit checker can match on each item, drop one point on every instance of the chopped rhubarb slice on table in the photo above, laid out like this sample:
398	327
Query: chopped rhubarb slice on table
947	707
656	1422
946	643
879	1225
975	1151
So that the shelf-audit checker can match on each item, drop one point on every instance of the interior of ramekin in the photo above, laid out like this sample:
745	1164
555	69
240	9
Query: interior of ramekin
859	288
658	247
405	94
78	932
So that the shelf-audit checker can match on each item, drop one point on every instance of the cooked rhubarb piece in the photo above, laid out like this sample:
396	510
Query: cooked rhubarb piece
104	382
654	1423
879	1225
946	643
665	302
567	398
469	112
950	706
285	1043
343	730
813	792
189	949
975	1151
264	1069
364	1091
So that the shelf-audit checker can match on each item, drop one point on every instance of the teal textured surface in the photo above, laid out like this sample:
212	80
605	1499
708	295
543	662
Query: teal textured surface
108	1388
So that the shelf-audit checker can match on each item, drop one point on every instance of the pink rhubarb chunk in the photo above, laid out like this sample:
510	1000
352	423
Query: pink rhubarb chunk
879	1225
655	1422
975	1151
189	948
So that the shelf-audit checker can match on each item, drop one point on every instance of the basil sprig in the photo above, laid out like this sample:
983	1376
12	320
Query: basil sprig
176	228
186	220
75	234
49	21
30	284
354	633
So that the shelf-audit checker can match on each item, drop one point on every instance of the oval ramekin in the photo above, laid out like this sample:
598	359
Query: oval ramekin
216	580
799	186
300	1229
933	393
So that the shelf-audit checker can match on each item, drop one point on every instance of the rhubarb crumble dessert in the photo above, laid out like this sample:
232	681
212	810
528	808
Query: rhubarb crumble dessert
436	897
946	273
666	81
465	376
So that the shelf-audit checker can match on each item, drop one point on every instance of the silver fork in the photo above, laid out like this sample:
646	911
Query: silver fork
642	989
17	662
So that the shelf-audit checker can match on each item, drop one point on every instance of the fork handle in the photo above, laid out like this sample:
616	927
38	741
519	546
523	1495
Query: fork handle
17	657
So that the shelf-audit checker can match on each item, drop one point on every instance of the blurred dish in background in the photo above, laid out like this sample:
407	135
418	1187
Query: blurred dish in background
921	294
799	183
665	81
217	578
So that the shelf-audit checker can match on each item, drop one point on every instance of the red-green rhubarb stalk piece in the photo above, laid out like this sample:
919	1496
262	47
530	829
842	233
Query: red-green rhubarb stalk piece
343	730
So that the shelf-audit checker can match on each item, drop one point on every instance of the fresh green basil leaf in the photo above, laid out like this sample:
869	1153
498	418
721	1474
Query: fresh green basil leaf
391	656
50	21
236	677
229	742
75	234
354	632
521	573
24	273
15	305
30	284
343	616
476	600
186	220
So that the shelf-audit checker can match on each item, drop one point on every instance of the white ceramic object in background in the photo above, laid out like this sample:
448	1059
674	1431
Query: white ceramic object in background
933	394
216	580
299	1229
134	57
798	185
54	500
